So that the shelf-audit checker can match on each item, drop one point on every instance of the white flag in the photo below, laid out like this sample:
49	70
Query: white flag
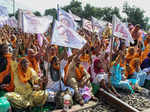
87	25
120	30
3	11
12	22
98	25
67	37
34	24
3	16
67	19
75	17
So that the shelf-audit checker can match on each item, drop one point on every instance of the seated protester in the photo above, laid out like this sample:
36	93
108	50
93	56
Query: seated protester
137	76
146	62
64	64
98	76
117	76
6	76
27	92
78	78
34	61
54	76
130	55
145	66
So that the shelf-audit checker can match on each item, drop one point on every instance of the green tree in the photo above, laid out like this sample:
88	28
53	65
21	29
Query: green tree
75	7
107	13
89	11
37	13
135	15
52	12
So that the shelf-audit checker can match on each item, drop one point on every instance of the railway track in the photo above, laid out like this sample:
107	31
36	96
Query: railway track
109	103
119	104
137	102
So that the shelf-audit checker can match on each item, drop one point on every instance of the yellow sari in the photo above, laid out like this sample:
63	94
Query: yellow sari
24	95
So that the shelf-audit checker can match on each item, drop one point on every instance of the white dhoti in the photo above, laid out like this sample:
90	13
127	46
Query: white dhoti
100	77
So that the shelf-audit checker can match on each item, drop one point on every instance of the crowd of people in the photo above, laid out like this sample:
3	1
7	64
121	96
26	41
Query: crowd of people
29	72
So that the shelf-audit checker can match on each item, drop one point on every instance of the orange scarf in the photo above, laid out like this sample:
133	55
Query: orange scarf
129	58
57	67
34	64
14	42
85	58
66	72
8	68
24	77
79	72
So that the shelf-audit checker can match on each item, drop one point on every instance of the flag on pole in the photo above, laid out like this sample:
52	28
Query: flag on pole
67	37
3	16
87	25
12	22
120	30
67	19
34	24
3	11
98	25
75	17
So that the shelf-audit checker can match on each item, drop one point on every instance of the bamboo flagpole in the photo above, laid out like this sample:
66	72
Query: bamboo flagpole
59	71
111	51
111	40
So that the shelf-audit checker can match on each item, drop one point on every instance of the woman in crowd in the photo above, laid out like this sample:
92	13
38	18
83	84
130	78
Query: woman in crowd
27	91
6	76
100	77
137	76
117	78
130	55
78	77
53	72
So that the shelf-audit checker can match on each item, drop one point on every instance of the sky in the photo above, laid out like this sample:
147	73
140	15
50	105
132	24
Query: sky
41	5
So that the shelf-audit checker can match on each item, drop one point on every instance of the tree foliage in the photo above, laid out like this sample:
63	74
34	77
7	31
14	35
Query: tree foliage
37	13
75	7
135	15
52	12
87	11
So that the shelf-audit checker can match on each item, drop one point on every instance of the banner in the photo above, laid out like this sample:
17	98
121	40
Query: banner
12	22
120	30
87	25
3	16
98	25
34	24
67	37
3	21
75	17
66	19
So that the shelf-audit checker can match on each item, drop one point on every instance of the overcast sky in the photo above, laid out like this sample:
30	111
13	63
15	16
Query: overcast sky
41	5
